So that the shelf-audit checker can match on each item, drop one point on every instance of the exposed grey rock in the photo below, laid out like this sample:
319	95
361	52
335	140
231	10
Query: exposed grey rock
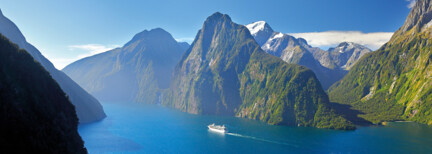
346	54
328	66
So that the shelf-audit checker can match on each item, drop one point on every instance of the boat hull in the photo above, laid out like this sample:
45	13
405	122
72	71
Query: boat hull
216	130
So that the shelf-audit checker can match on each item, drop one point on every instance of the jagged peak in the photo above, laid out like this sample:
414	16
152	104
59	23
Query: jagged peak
346	44
259	26
217	16
352	44
343	46
215	19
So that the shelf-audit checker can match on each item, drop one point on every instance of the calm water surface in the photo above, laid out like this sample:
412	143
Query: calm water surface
139	128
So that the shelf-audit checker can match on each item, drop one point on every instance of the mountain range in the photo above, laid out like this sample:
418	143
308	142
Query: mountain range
394	82
87	107
329	66
229	69
225	72
254	72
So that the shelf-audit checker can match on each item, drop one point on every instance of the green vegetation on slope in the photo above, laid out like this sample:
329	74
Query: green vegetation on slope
35	114
393	83
287	94
225	72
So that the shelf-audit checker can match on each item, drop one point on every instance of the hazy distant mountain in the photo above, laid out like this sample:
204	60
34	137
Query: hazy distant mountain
225	72
35	114
87	107
325	64
136	72
394	82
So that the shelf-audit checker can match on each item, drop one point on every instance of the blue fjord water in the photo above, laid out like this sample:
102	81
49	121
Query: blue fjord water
140	128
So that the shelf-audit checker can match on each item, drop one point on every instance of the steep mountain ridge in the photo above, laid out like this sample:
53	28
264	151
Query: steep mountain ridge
87	107
225	72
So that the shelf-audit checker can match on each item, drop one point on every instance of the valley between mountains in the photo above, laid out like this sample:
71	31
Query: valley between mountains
229	70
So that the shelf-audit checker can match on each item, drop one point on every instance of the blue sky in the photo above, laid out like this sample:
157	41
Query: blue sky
65	31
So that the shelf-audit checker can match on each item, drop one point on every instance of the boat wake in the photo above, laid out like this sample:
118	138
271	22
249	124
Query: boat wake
260	139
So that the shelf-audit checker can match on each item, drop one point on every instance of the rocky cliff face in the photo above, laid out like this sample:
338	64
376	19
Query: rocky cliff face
394	83
328	66
346	54
419	18
225	72
136	72
36	115
87	107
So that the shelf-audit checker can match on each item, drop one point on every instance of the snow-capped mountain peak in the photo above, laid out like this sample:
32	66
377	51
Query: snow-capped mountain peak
255	27
346	46
260	30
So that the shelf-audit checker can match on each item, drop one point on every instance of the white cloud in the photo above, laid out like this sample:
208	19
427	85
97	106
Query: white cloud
333	38
411	3
91	48
185	39
86	51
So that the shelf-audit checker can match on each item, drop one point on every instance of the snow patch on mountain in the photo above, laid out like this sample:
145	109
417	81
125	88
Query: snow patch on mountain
255	27
278	35
261	31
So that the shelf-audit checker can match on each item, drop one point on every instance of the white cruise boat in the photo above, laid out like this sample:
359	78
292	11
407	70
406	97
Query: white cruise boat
217	128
